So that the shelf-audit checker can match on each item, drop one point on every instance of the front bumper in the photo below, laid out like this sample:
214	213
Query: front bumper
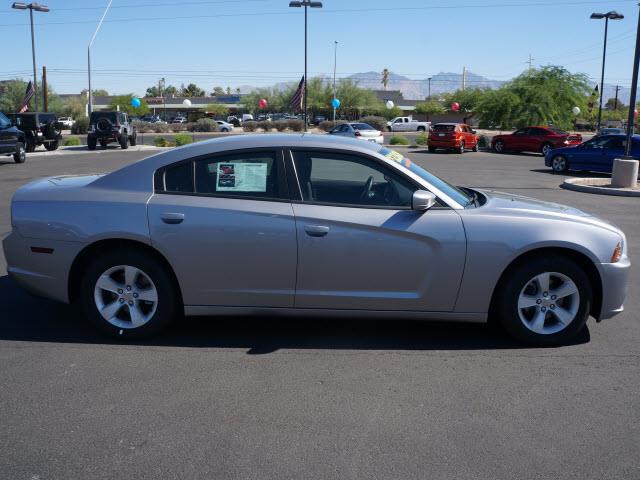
43	274
614	278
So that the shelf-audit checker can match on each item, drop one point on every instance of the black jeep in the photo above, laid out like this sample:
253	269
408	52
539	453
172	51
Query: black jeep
107	127
12	140
47	133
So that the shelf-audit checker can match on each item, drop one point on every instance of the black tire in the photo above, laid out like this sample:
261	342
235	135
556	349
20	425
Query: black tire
559	164
499	147
91	143
460	149
30	145
545	149
51	146
124	140
224	129
389	129
133	140
167	306
520	277
476	147
432	149
422	129
20	156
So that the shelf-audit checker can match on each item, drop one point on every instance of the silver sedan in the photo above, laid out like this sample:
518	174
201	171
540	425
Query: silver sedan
309	224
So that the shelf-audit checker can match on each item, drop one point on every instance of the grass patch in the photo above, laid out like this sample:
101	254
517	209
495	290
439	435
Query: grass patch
399	140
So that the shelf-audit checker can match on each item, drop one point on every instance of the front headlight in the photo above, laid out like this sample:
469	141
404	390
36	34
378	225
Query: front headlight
617	252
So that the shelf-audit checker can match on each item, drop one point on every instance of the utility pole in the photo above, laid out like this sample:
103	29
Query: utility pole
530	62
335	62
615	104
464	78
429	88
45	91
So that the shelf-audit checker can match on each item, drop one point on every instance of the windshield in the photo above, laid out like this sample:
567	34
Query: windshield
4	121
454	193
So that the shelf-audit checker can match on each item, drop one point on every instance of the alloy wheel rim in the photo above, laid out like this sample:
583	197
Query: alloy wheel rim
546	149
125	296
548	303
499	146
558	164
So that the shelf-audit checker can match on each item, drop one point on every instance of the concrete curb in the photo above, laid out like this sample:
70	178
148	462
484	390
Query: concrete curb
601	186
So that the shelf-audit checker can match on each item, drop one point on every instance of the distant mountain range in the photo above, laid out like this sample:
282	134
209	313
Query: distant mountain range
418	89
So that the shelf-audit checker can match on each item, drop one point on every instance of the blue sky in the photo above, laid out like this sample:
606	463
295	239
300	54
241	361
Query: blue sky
259	42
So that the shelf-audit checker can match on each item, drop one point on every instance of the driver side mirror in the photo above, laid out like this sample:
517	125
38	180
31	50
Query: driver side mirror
422	200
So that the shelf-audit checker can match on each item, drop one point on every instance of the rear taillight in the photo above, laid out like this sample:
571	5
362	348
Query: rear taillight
358	134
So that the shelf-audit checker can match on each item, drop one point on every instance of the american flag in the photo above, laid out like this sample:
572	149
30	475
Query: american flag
298	97
28	95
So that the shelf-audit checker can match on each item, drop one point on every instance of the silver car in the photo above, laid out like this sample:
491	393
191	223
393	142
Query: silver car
309	224
359	131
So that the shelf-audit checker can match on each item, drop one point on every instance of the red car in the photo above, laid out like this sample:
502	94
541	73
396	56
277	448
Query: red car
452	136
534	139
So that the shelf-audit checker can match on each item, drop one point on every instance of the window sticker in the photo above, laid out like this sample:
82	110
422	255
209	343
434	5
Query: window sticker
240	177
396	157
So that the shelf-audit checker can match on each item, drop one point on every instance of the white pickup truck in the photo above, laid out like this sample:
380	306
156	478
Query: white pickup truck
407	124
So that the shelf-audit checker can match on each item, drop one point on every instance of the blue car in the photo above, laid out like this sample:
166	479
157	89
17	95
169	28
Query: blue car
595	155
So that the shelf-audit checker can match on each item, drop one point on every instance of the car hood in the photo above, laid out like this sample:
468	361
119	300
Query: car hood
502	203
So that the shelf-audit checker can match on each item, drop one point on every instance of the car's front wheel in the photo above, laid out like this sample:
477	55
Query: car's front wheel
21	154
127	293
499	146
461	148
133	140
546	148
544	301
559	164
51	146
124	141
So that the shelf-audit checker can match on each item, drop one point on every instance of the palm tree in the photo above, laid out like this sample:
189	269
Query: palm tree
385	78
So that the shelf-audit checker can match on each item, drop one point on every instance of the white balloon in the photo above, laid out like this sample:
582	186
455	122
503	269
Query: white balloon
186	102
390	104
576	110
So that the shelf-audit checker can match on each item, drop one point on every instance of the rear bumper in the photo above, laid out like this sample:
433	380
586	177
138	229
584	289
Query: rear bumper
614	287
379	139
437	143
43	274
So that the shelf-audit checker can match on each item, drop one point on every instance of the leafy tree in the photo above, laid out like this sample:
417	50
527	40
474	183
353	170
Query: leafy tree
191	90
611	105
74	106
228	90
99	92
217	110
218	91
430	107
155	91
123	102
238	90
13	95
170	91
468	99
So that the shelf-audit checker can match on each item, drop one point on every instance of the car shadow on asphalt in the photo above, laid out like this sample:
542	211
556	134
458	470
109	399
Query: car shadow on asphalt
25	317
572	173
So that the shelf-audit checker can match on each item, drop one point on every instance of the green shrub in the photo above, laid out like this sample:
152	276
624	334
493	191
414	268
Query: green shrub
265	125
182	139
484	141
249	126
421	139
80	126
295	125
379	123
399	140
329	125
161	142
72	142
205	125
280	125
178	127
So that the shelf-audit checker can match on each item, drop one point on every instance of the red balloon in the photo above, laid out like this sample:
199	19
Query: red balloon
262	103
455	106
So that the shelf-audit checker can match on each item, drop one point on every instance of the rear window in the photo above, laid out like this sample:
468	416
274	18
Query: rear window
557	131
362	126
444	128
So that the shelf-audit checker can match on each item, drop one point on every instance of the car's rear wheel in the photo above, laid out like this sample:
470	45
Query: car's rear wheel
432	149
546	148
545	301
133	140
50	146
559	164
127	293
124	141
422	129
499	146
30	146
91	143
21	154
461	147
224	129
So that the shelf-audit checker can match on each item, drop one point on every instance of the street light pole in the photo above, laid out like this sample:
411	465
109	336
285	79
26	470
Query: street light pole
38	8
634	92
607	16
429	87
305	4
335	61
90	108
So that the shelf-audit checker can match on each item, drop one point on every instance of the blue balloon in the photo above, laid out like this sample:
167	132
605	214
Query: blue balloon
135	102
335	103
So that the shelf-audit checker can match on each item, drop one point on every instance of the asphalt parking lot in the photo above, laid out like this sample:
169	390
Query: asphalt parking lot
286	398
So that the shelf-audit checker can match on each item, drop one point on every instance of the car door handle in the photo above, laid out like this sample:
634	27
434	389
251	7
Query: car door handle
172	218
316	230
